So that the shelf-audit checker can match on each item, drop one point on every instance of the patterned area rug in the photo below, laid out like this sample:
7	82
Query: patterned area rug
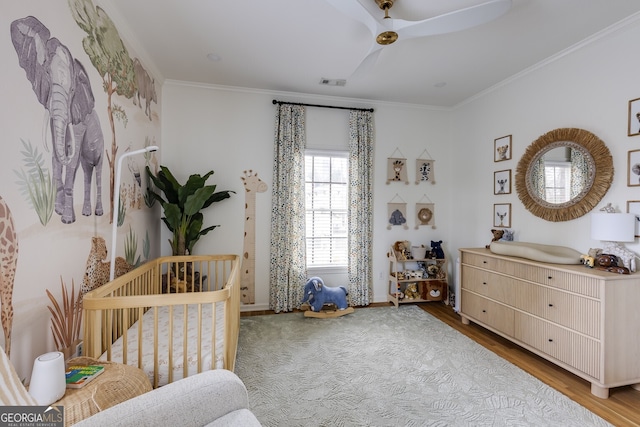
388	367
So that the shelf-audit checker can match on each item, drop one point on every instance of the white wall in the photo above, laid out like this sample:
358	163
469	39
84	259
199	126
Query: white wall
588	87
230	131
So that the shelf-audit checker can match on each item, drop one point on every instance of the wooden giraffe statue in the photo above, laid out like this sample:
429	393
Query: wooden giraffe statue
8	261
252	185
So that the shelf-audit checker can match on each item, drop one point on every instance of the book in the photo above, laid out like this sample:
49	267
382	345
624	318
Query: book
78	376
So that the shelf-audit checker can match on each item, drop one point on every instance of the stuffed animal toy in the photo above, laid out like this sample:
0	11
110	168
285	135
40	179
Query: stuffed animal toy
411	292
587	260
497	235
432	271
594	252
402	251
436	249
507	236
317	295
607	260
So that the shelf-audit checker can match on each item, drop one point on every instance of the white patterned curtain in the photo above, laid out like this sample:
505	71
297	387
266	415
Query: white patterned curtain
288	253
579	173
538	179
360	207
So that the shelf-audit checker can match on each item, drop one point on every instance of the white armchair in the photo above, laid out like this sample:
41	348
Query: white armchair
211	398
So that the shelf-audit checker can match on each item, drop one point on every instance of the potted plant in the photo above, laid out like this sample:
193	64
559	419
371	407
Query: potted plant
182	205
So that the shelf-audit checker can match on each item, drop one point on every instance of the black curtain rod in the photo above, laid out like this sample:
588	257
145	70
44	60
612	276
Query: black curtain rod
275	101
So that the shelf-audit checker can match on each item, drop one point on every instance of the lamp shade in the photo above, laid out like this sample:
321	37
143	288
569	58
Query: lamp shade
613	227
48	382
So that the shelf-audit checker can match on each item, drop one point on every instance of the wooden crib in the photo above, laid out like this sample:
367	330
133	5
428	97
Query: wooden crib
172	317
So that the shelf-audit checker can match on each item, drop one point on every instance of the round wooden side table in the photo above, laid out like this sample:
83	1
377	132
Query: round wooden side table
116	384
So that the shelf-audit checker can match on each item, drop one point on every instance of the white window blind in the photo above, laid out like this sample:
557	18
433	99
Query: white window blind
326	199
557	182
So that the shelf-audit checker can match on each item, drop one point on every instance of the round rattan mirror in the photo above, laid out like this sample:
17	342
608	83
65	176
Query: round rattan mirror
564	189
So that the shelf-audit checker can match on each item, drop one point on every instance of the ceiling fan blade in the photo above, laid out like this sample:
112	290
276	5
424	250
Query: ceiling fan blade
355	10
367	63
453	21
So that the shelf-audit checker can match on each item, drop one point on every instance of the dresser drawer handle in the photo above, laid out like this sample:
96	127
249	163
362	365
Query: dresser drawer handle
484	311
484	262
484	283
550	340
550	305
549	277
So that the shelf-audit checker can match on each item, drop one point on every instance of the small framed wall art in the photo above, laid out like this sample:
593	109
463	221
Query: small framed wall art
634	117
633	206
633	168
502	215
502	182
502	148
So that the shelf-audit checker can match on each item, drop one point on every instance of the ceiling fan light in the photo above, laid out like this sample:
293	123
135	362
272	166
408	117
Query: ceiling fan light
387	37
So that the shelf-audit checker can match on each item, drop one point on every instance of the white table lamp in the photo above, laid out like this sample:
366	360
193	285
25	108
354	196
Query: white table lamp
612	228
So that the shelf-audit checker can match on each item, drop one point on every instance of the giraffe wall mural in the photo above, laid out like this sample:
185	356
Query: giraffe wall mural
252	185
8	261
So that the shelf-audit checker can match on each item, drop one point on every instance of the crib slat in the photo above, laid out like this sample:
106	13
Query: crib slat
199	340
156	344
214	316
140	349
185	353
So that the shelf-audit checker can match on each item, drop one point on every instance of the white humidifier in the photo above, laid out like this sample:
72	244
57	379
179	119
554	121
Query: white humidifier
48	382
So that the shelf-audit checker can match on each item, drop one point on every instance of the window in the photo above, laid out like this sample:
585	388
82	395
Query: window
557	181
326	202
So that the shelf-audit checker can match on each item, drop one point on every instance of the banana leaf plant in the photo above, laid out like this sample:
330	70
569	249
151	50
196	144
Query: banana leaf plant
182	205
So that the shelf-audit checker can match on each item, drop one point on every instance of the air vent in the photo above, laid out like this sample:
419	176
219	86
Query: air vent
333	82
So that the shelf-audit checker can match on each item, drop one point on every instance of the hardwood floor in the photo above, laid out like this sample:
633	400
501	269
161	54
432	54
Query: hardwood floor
622	408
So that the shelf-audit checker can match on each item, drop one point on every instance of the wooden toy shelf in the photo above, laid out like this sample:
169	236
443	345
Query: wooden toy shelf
428	274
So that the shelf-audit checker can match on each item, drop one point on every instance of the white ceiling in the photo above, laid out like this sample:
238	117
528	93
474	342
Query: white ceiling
289	45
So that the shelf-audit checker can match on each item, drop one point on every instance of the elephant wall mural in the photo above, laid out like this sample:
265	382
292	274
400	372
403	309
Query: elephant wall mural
62	86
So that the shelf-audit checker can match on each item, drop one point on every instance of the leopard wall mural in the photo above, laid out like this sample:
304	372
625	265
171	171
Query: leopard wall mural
98	269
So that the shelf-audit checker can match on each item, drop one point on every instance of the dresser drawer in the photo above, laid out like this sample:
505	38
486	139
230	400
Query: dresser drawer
488	262
488	312
565	280
574	349
492	285
573	311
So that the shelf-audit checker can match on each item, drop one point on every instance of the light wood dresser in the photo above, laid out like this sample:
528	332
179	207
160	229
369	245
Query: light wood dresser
584	320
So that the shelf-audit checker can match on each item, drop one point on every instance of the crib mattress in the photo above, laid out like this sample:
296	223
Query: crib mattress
163	342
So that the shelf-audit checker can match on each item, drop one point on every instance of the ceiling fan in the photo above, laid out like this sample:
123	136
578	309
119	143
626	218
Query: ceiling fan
389	30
